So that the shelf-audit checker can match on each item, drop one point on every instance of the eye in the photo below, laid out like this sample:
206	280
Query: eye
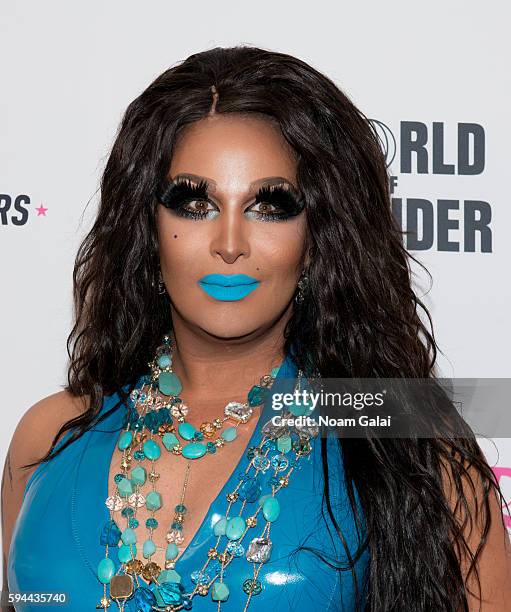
196	208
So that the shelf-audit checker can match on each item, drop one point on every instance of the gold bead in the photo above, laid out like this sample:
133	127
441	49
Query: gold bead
212	553
251	521
104	603
202	589
139	437
134	566
284	481
232	497
219	442
176	450
208	429
224	557
153	476
150	571
179	518
170	564
217	423
126	464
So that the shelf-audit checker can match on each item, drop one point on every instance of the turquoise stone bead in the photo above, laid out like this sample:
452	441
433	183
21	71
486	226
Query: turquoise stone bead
194	450
106	569
125	440
219	526
138	475
169	576
152	450
263	498
172	551
169	383
220	591
235	527
153	501
186	431
125	553
271	509
298	409
284	443
148	548
169	440
129	536
257	395
164	360
229	434
124	487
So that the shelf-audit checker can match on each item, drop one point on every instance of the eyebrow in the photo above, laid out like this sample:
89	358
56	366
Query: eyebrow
271	180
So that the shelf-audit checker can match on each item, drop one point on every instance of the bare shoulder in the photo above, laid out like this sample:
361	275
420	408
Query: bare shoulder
38	426
31	440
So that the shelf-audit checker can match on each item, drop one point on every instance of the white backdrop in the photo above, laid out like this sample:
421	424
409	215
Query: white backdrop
68	71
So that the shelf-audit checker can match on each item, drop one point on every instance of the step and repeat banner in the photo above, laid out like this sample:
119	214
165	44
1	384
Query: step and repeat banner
434	79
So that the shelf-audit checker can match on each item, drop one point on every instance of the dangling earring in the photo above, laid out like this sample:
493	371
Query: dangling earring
161	284
303	284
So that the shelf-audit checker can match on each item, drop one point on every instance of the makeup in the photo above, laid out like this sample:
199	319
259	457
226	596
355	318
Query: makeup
228	287
192	201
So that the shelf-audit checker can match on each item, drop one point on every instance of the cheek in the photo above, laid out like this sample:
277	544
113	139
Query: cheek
179	246
278	249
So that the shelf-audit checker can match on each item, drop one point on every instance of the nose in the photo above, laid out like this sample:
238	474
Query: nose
230	238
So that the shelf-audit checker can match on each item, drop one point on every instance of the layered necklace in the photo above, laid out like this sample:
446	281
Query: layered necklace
156	417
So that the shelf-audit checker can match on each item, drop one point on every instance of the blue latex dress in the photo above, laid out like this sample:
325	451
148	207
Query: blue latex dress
55	546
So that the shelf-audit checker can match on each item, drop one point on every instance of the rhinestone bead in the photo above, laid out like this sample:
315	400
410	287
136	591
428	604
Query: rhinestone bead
238	411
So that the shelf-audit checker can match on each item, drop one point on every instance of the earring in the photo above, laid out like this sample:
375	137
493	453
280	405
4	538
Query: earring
303	285
161	284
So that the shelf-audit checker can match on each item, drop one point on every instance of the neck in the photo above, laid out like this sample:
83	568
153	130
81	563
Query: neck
217	368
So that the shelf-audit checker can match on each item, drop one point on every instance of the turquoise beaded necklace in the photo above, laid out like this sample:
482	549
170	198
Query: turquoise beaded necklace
279	451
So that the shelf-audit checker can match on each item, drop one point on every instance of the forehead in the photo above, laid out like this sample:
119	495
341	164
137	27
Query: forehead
233	149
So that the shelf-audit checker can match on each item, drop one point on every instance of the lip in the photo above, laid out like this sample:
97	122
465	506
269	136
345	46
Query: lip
228	280
228	287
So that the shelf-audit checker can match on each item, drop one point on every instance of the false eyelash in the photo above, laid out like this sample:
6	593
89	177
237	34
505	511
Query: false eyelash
283	197
179	192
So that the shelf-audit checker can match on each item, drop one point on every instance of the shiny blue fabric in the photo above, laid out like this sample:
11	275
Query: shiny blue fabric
55	544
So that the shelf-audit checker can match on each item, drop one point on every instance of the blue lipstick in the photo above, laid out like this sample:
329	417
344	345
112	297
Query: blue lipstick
228	287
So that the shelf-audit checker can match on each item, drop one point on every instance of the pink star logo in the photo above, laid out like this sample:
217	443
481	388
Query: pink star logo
41	211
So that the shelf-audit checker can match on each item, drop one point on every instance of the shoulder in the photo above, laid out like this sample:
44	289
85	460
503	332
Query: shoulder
38	426
31	440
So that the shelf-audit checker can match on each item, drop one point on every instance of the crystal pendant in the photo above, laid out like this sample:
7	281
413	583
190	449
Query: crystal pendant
259	550
114	503
136	499
174	535
238	411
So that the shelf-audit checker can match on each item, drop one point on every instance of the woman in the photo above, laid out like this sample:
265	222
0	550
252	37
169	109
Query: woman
244	241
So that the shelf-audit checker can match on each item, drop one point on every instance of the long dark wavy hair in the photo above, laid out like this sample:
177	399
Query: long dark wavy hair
360	316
